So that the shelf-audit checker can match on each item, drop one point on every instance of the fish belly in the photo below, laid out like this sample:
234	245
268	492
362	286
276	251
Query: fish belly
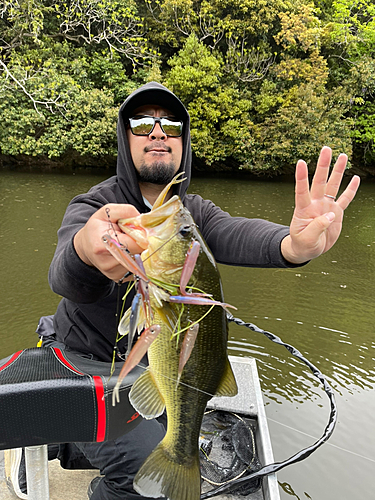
172	470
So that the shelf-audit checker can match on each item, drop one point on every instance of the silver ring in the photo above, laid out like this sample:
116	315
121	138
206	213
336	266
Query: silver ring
330	196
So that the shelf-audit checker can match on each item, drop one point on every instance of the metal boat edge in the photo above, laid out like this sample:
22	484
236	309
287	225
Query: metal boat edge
249	403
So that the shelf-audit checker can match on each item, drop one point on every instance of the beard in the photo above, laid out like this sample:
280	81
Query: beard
158	172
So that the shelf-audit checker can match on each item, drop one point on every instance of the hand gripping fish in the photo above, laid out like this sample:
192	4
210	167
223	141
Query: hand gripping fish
188	361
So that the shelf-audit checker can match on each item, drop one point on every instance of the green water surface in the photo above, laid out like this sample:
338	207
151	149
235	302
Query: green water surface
325	309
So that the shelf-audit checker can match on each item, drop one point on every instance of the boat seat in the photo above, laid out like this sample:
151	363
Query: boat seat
49	395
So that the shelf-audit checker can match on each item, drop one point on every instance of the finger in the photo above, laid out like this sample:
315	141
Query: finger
130	244
317	227
336	176
115	211
319	181
349	193
125	240
303	199
110	214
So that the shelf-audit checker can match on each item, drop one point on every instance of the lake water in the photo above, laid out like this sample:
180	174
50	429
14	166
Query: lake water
324	309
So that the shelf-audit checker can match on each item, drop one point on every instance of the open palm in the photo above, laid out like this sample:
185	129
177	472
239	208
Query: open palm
317	219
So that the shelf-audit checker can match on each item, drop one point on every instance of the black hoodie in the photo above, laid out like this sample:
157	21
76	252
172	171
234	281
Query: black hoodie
85	318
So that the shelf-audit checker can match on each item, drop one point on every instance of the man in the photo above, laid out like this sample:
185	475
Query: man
153	145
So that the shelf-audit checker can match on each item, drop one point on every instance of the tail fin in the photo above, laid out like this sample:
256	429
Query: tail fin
161	476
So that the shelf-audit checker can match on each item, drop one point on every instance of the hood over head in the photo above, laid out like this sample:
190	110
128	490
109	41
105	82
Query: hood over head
151	93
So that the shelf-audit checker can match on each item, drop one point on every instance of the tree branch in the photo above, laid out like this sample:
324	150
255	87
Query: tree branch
48	104
249	64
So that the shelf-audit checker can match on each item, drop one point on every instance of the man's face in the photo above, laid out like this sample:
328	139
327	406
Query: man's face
156	157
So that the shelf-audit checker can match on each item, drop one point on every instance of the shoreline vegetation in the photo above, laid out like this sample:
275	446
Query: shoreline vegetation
87	165
266	82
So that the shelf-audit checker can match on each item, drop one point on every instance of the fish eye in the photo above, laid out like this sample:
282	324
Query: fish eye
185	231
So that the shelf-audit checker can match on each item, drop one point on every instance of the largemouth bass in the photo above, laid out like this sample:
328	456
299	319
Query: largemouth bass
168	233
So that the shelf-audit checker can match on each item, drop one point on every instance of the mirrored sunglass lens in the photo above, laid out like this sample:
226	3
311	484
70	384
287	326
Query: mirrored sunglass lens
171	128
141	126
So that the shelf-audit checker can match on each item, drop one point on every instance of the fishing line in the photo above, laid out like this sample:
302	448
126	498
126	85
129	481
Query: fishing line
299	456
161	246
175	380
306	452
328	444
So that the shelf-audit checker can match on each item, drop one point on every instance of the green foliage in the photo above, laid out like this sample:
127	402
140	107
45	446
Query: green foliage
219	114
86	124
351	47
362	79
265	81
70	102
304	122
353	26
65	69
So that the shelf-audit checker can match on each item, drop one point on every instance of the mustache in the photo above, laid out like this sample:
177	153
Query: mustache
158	145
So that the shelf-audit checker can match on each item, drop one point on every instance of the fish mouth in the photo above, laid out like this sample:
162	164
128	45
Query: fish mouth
158	222
161	222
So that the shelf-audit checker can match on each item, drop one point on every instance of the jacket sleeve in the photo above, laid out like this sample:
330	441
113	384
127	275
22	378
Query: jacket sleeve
238	240
68	275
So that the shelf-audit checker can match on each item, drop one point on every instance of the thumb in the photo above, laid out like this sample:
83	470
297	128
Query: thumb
320	224
330	217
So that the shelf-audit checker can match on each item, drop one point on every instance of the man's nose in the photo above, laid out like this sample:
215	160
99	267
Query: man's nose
157	134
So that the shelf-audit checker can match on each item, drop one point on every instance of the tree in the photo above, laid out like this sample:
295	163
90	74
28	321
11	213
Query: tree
63	74
306	120
219	113
265	81
350	47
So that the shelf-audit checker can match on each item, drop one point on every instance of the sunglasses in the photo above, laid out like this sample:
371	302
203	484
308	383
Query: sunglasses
144	125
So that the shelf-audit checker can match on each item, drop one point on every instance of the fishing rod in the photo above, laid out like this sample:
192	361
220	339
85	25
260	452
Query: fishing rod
304	453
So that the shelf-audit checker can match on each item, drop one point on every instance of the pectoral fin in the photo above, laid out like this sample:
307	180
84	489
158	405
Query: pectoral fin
228	384
146	397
